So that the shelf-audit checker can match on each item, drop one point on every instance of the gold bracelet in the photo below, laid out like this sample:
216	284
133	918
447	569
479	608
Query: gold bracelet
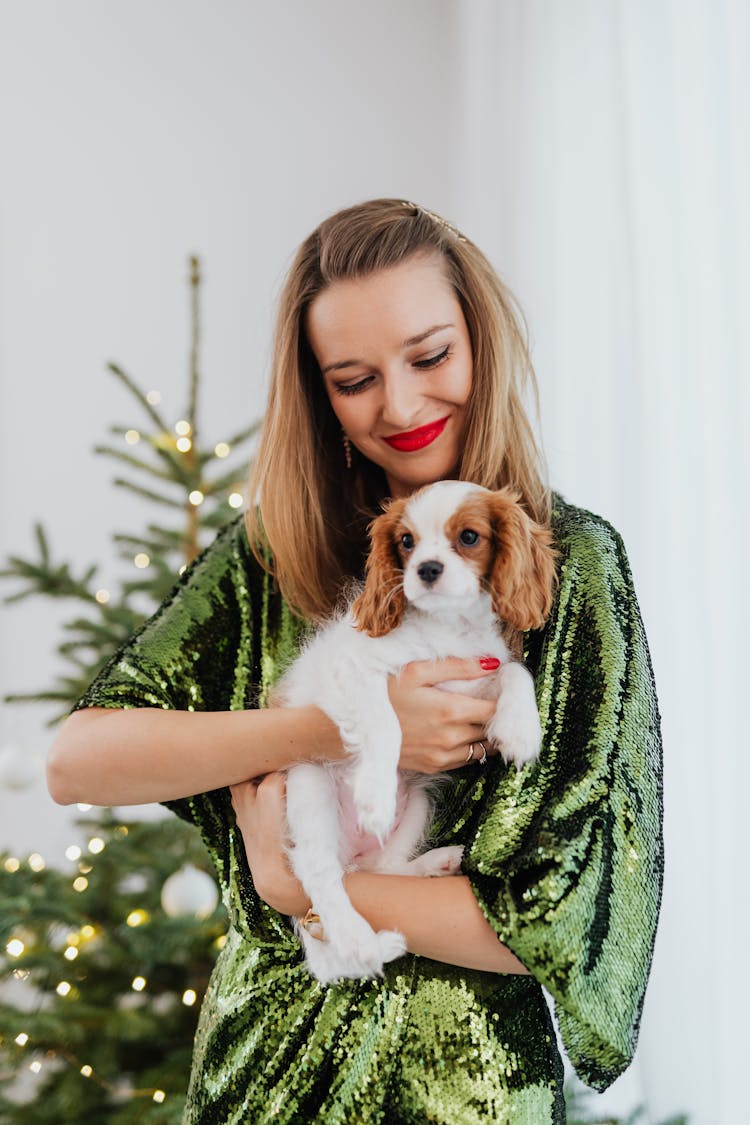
311	922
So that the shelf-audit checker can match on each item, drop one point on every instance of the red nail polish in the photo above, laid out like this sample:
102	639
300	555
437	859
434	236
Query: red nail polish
489	663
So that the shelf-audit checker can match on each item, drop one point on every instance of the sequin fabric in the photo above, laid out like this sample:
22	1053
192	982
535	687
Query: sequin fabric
565	859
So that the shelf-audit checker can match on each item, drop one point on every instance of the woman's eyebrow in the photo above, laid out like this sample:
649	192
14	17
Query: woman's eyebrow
410	343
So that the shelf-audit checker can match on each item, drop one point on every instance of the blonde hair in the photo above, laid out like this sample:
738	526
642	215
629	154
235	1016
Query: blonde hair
312	512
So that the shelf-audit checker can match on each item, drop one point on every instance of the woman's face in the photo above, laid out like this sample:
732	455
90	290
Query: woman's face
396	359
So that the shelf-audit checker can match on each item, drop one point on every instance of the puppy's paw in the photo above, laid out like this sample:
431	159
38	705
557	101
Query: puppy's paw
438	861
516	731
375	801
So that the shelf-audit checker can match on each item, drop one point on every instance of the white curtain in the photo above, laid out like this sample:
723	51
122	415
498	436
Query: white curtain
607	170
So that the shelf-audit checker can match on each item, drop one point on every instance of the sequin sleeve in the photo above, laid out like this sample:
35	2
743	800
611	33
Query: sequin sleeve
203	650
566	859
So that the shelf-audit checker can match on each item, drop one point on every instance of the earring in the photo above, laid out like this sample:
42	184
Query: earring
347	449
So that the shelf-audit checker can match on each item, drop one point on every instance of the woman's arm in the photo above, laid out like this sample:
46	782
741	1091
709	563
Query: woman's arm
129	757
439	918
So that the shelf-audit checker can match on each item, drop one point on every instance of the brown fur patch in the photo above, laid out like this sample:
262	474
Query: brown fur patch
381	605
524	574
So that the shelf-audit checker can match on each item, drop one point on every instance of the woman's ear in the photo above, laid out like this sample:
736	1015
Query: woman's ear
380	607
524	573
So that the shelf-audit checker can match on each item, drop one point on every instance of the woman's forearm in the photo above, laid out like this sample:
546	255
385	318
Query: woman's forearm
131	757
440	918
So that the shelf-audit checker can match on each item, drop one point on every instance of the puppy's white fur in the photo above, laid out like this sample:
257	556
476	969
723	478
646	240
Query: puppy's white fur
344	671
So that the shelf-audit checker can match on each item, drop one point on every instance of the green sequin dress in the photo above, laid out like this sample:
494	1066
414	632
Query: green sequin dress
565	859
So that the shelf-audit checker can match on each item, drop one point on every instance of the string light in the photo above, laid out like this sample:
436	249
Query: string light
80	884
15	947
139	983
222	449
63	988
132	437
121	830
22	1039
137	917
96	845
36	862
183	428
102	596
142	560
12	864
70	953
36	1066
159	1096
189	997
196	497
220	942
86	1071
153	398
87	932
73	852
84	868
184	444
235	500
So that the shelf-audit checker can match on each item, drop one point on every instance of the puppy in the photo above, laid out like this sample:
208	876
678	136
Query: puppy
454	570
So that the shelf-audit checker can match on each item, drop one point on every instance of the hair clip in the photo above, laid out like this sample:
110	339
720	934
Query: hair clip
435	218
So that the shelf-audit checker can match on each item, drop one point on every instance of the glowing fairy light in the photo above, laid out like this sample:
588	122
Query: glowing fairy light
183	428
159	1096
137	917
235	500
102	596
73	852
142	560
22	1039
87	932
12	864
96	845
15	947
222	449
80	884
70	953
36	862
196	497
63	988
189	997
139	983
153	398
132	437
86	1071
83	807
184	444
35	1066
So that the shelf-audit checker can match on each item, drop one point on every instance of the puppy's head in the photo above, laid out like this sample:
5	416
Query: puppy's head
448	543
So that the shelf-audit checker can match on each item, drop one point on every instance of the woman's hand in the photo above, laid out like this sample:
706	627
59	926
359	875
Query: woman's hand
260	808
438	726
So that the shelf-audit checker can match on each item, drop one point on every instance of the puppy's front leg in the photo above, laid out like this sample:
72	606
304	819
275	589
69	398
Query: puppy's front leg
515	726
375	739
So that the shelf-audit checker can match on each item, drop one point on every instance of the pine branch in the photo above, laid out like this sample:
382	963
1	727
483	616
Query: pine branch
136	463
146	494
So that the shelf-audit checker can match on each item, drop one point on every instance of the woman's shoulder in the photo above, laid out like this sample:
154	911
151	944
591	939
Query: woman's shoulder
581	533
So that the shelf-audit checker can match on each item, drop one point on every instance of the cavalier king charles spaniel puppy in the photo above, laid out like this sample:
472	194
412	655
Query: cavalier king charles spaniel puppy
454	570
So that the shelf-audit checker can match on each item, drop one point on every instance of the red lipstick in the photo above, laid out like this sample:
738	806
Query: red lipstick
411	440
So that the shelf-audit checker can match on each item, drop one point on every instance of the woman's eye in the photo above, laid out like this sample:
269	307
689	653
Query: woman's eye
352	388
433	360
407	542
468	538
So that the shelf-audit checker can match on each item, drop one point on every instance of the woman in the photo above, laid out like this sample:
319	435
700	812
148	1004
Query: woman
398	361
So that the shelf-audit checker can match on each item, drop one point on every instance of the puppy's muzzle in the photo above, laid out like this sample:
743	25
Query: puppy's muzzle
430	571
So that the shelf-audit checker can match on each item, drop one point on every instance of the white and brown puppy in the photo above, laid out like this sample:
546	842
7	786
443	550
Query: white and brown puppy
454	570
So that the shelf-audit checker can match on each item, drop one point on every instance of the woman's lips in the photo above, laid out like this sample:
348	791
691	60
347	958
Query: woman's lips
417	439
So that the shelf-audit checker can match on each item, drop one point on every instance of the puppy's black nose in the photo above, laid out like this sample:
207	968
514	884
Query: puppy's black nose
430	571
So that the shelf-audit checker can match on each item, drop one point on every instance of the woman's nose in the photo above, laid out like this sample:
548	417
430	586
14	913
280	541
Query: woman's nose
401	401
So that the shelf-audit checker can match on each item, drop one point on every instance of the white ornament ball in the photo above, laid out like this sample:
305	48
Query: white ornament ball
189	891
17	768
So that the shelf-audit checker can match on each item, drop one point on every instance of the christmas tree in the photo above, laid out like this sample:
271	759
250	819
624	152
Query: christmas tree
105	969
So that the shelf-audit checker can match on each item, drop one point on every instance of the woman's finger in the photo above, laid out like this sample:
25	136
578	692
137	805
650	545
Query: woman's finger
428	673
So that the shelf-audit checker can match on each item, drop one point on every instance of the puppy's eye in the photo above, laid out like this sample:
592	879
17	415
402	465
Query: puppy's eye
407	542
468	538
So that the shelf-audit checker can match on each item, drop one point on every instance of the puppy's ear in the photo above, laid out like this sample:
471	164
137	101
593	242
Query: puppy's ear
524	575
380	607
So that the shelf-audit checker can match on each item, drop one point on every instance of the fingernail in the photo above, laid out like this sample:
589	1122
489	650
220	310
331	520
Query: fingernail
489	663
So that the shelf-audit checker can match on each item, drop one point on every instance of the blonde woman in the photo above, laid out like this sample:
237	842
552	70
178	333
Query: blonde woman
399	360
